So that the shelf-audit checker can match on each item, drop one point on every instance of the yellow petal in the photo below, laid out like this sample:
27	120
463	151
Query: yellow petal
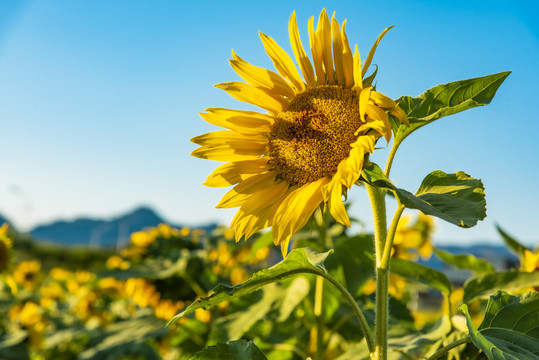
299	52
245	122
358	79
316	51
373	49
227	153
333	196
377	113
282	62
400	114
249	219
284	246
241	192
229	137
233	172
296	209
323	37
262	78
252	95
382	100
347	60
337	50
364	97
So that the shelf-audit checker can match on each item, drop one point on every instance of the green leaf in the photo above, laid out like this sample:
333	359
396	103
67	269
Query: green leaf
485	285
298	261
445	99
465	262
422	274
456	198
125	338
511	243
510	329
233	350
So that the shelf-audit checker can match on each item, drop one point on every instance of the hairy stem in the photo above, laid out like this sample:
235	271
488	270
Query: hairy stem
377	198
391	156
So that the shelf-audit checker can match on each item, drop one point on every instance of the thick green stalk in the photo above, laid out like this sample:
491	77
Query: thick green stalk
377	198
319	291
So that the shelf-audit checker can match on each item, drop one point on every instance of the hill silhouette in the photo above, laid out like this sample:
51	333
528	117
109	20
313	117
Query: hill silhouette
97	232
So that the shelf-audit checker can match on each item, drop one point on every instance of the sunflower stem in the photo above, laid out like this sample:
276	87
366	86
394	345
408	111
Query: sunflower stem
391	156
319	291
377	198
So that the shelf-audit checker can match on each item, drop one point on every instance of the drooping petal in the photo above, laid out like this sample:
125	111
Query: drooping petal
400	114
373	49
382	100
316	51
337	50
252	95
245	122
233	172
259	77
347	60
296	209
332	193
377	113
299	52
244	190
364	97
282	62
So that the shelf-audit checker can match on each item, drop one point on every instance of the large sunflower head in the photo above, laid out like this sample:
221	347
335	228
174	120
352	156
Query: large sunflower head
310	144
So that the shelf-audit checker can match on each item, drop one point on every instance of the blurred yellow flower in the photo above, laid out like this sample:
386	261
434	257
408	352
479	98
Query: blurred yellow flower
28	274
5	247
530	261
413	239
141	292
142	239
238	275
184	232
117	262
166	309
60	274
203	315
310	146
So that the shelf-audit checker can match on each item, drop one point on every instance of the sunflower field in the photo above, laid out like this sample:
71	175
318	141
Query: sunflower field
118	307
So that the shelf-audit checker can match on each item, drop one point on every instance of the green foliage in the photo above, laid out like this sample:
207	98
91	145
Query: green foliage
422	274
238	349
298	261
509	330
456	198
465	262
484	285
511	242
444	100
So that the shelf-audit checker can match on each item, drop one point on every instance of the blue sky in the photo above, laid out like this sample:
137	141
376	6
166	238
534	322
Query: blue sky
98	101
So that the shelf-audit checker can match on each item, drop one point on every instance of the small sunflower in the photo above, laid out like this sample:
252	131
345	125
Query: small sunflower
5	248
310	145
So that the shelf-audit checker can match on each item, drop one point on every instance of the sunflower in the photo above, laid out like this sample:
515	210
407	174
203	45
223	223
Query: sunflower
309	146
5	248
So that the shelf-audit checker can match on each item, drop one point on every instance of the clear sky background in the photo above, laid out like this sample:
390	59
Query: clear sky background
98	101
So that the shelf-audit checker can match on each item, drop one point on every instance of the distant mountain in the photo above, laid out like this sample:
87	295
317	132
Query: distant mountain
97	232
